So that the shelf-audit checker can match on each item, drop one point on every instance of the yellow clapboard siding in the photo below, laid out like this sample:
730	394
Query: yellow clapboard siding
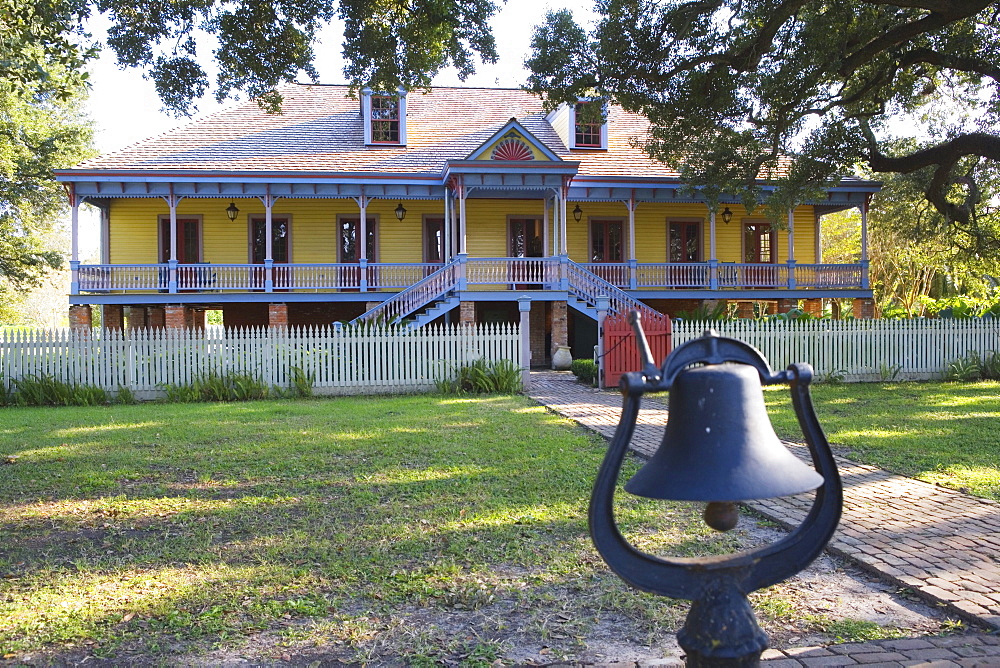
134	233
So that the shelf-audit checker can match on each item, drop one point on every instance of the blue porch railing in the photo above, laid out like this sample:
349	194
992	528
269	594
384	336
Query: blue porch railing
502	273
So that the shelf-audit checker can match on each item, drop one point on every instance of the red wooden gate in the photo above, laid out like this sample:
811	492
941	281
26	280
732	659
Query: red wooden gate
620	351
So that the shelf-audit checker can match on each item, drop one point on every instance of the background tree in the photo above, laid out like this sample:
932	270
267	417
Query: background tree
915	267
253	46
918	257
734	88
41	129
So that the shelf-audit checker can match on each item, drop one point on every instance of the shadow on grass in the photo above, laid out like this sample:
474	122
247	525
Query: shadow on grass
215	522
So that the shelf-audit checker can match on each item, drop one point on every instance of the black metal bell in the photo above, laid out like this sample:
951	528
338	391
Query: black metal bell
719	444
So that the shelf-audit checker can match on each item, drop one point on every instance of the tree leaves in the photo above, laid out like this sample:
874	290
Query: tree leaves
733	88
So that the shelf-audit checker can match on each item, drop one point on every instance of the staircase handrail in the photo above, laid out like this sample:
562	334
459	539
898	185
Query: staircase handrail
419	294
589	286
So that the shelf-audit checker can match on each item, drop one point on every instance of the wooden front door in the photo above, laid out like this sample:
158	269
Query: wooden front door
280	231
758	248
526	237
685	242
188	240
607	246
434	241
349	250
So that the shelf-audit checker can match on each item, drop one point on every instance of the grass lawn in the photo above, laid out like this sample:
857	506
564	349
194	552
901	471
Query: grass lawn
946	433
414	530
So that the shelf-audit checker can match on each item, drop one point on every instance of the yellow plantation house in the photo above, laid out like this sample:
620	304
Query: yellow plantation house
452	204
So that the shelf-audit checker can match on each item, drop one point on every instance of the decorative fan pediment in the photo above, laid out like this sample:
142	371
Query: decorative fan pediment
513	148
514	143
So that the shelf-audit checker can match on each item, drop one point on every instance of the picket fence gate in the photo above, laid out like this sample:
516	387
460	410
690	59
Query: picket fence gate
349	360
859	350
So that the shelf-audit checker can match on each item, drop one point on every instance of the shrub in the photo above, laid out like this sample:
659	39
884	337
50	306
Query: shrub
585	370
964	368
989	366
218	387
483	377
301	385
126	396
47	390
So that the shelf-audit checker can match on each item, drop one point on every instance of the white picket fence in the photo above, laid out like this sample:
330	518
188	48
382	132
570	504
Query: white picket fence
350	360
860	350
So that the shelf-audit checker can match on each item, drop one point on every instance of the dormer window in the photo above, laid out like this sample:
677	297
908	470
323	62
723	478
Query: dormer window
589	131
385	120
384	117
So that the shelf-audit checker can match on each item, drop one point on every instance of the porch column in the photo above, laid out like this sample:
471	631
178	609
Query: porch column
785	305
713	262
363	239
105	234
524	310
136	318
864	242
268	241
172	201
560	326
632	261
277	316
555	221
467	313
563	195
81	318
74	258
863	308
174	316
462	247
156	317
113	316
446	250
791	248
603	304
545	225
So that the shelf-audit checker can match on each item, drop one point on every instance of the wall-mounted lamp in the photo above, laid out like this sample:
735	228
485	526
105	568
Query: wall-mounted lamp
577	213
232	212
727	215
400	212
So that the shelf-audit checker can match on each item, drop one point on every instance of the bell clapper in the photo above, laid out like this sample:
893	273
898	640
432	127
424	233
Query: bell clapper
721	515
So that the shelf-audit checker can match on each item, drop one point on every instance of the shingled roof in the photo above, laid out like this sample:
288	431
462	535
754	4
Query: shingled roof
320	129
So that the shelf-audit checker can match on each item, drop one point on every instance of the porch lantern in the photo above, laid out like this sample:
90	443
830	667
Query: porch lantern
727	215
232	212
400	212
719	447
577	213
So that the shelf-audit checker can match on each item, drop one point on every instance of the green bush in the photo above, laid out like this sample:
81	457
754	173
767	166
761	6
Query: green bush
585	370
47	390
483	377
974	367
218	387
989	366
964	368
301	385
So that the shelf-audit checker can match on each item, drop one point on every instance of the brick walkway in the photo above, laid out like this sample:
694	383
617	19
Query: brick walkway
941	544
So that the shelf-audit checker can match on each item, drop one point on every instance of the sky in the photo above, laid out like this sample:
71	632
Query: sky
125	107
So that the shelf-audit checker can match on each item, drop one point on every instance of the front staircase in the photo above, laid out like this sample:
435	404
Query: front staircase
443	290
422	302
